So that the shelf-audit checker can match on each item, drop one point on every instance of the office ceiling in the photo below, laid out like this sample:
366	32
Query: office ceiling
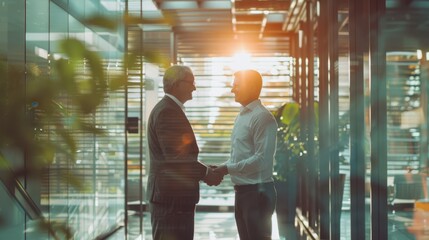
220	27
260	27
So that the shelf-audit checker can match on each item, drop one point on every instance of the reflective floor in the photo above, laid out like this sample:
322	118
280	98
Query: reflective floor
215	220
208	226
221	226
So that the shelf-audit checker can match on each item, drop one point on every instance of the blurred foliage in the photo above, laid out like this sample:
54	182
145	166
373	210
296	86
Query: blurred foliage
291	145
42	108
57	230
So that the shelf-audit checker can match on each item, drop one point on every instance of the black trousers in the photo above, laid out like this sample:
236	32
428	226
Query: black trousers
172	221
254	207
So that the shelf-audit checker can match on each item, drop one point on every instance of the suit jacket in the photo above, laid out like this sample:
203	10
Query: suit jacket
174	172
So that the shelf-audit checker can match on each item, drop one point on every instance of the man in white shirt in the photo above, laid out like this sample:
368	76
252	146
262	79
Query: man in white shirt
250	165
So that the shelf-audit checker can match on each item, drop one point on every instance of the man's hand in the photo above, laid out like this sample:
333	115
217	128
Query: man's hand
222	169
212	178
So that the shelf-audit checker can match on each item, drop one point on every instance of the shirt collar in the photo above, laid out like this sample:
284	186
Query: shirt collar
176	101
250	106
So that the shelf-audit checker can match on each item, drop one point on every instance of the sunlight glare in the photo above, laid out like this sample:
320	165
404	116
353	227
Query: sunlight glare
241	60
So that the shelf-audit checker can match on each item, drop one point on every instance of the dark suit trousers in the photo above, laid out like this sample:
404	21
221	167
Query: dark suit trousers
172	221
254	207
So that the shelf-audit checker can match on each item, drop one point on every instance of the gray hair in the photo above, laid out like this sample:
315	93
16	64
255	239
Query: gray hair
175	74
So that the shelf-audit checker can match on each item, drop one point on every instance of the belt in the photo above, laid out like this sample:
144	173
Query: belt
253	187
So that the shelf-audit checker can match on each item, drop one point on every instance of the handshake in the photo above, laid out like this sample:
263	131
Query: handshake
215	174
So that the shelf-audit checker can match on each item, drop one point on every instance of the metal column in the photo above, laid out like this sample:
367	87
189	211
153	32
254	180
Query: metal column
358	41
378	122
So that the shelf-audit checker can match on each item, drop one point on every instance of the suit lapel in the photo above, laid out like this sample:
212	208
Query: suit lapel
181	116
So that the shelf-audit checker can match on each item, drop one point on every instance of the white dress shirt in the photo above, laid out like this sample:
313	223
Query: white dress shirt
253	145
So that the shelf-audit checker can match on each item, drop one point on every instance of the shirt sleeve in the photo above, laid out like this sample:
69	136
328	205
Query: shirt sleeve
264	136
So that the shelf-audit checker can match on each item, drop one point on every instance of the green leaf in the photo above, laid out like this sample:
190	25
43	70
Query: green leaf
74	180
74	49
316	117
156	57
69	140
290	113
48	153
95	63
4	164
88	103
57	230
131	61
66	75
118	82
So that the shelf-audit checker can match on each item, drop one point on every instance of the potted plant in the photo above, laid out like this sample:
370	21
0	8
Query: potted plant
290	150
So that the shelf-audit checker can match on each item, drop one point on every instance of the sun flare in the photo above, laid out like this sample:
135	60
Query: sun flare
241	60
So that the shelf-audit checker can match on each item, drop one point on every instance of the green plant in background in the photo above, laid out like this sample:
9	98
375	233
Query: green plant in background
290	144
291	147
57	102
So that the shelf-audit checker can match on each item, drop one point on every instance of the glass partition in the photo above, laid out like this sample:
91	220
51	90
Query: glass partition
12	217
99	163
12	68
82	189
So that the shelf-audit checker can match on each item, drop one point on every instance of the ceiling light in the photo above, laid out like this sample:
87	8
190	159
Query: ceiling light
256	12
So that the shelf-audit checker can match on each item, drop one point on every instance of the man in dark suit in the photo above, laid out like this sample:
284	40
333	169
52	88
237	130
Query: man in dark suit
175	172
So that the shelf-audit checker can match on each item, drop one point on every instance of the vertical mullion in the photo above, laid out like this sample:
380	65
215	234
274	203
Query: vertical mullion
303	115
141	135
310	113
296	68
357	120
324	156
424	144
334	176
126	50
378	123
